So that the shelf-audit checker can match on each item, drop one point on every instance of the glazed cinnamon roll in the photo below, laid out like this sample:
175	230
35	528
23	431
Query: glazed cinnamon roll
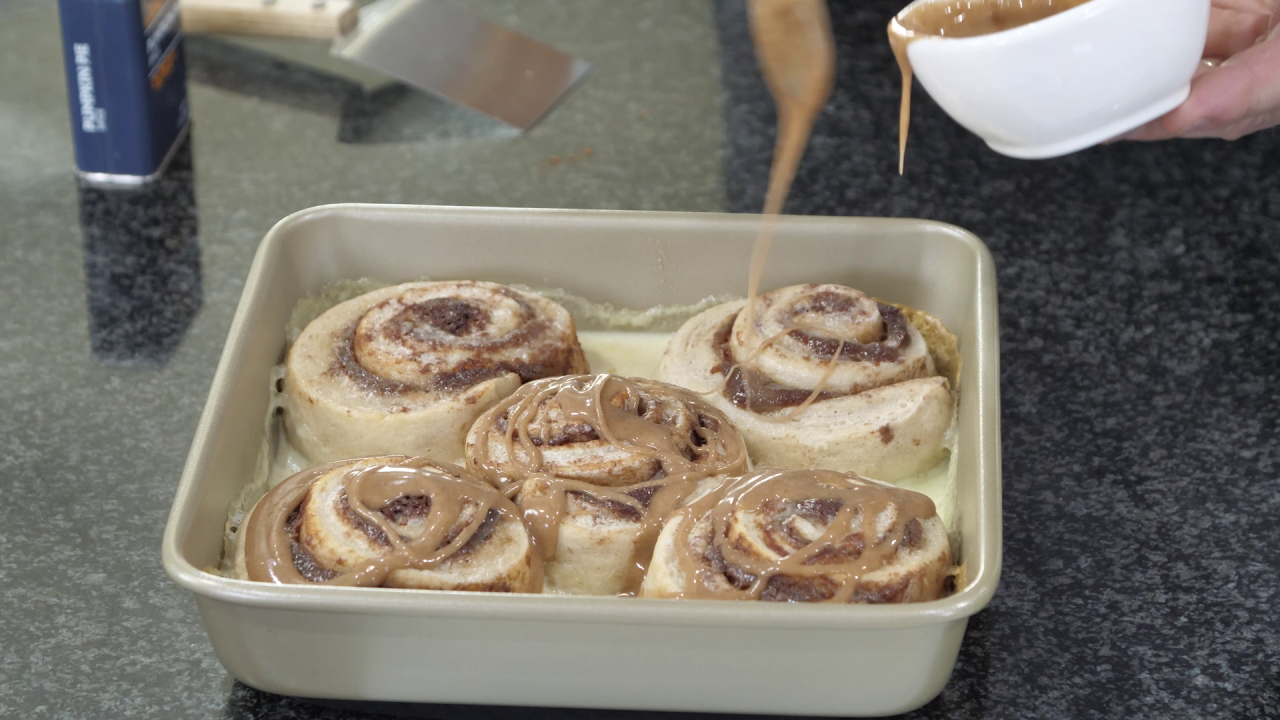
406	369
388	522
803	536
596	462
825	377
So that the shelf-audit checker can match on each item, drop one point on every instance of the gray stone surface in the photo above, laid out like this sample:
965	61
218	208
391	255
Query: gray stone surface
1139	309
116	304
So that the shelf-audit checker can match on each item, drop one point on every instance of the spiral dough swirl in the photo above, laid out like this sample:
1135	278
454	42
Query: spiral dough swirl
803	536
826	377
406	369
596	462
388	522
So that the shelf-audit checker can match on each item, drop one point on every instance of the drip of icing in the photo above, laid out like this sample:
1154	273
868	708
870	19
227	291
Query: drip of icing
817	390
796	52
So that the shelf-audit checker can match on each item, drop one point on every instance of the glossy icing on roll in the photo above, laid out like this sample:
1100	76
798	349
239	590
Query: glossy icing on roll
803	536
389	521
621	452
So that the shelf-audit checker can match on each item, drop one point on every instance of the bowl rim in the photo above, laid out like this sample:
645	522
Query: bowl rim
1031	30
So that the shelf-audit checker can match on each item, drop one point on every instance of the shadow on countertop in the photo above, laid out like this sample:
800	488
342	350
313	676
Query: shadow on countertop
388	113
142	266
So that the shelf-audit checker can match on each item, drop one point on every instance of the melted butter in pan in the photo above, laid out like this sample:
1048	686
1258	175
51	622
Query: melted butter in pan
629	354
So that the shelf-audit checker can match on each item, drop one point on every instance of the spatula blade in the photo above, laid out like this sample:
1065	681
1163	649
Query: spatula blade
457	55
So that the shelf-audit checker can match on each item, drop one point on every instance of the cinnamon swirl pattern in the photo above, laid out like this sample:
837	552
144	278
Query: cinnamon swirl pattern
803	536
388	522
407	369
596	462
825	377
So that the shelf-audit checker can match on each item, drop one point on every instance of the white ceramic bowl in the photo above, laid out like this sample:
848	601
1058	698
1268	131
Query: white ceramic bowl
1071	80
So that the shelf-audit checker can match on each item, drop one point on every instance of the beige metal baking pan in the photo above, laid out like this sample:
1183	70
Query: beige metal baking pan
452	647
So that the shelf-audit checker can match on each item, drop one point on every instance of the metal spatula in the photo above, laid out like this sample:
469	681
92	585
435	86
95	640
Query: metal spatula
429	44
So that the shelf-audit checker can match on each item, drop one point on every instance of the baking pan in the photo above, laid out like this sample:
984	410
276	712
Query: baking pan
455	647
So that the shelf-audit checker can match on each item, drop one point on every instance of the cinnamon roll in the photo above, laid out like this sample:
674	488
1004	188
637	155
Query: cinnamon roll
388	522
596	462
803	536
825	377
406	369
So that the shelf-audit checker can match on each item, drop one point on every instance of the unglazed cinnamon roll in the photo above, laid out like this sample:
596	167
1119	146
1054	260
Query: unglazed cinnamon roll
597	462
826	378
803	536
406	369
388	522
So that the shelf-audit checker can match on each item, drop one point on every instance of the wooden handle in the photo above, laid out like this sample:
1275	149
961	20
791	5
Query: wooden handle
282	18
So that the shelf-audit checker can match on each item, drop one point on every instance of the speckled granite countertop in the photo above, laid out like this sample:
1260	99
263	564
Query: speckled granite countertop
1139	310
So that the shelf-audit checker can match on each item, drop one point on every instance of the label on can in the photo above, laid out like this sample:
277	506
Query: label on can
126	85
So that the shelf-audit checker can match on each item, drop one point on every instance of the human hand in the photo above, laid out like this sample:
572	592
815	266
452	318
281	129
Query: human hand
1237	90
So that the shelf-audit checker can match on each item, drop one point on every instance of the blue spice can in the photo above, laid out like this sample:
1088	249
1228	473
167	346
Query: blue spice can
126	85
